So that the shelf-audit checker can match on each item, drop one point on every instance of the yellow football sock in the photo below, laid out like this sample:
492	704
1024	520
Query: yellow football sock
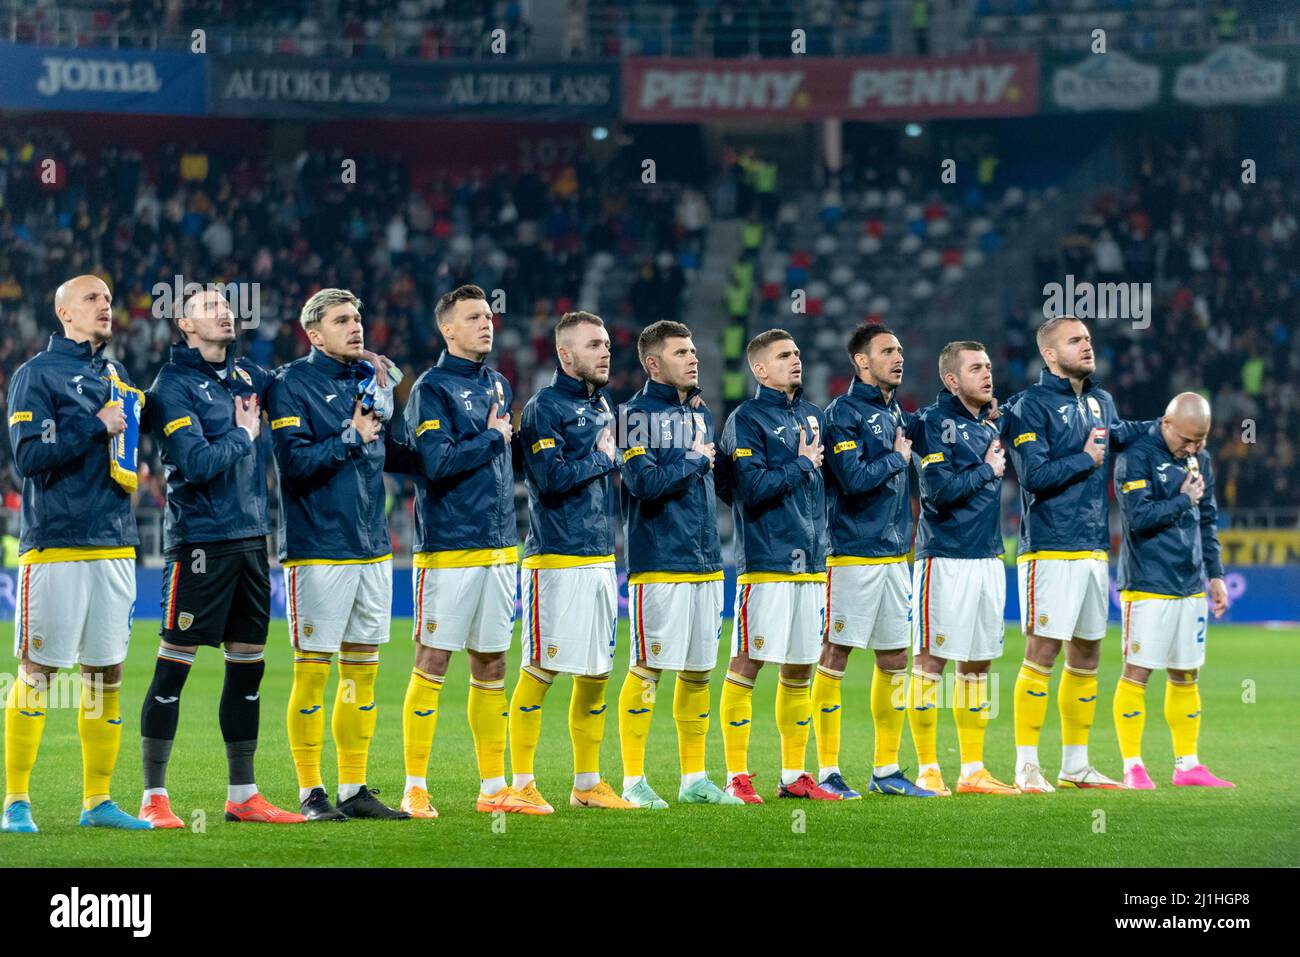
970	711
923	715
1077	701
1183	715
306	721
353	721
793	718
420	721
636	705
886	717
526	717
587	722
24	722
487	723
1130	711
99	724
691	714
1031	703
737	707
826	710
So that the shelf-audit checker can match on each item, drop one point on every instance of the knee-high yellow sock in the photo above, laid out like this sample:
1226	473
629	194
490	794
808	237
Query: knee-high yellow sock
99	724
970	709
1031	703
737	708
526	718
691	715
1183	715
1130	711
306	720
420	720
487	723
826	712
24	722
587	722
355	711
887	717
793	720
636	705
1077	701
923	716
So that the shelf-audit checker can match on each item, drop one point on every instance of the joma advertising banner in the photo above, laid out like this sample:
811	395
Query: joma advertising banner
868	88
102	80
302	87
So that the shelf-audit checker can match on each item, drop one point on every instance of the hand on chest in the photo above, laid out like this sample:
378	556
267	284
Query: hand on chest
784	432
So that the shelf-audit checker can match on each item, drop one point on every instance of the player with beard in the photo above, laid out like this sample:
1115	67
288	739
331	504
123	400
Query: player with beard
570	593
868	582
1061	430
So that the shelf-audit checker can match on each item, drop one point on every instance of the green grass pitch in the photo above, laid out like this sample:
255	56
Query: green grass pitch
1252	742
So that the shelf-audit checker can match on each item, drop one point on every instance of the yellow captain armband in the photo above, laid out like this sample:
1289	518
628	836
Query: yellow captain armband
931	459
281	423
543	444
1024	437
1135	484
742	453
426	425
634	452
845	446
180	423
19	417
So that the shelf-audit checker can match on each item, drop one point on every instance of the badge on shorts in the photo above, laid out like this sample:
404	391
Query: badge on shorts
655	648
839	626
184	620
1135	647
431	626
307	630
1042	621
758	642
37	642
552	651
938	639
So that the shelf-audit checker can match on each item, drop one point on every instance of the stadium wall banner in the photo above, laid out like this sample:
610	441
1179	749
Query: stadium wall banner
102	80
1257	593
305	88
1230	75
863	88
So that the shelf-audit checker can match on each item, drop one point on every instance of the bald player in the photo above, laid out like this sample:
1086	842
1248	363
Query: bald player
1165	486
76	580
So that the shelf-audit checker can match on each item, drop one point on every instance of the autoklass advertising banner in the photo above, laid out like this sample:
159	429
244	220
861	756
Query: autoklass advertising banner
300	87
867	88
102	80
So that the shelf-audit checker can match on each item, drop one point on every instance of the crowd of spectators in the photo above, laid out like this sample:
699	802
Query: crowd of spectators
1223	258
398	237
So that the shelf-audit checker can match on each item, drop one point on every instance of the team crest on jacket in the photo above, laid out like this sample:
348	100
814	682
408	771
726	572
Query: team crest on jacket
1094	406
243	374
552	651
184	620
814	426
655	648
501	393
